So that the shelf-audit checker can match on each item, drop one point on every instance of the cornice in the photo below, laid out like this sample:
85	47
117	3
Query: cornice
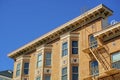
101	11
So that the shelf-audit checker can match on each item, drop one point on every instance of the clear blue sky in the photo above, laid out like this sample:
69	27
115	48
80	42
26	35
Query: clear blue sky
22	21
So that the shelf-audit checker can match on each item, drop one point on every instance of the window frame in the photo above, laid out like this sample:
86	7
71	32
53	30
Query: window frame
26	68
18	68
39	61
94	73
48	59
118	61
64	49
65	74
47	76
93	43
76	47
38	78
75	73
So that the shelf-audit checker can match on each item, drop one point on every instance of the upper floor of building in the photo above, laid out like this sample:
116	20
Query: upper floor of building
81	49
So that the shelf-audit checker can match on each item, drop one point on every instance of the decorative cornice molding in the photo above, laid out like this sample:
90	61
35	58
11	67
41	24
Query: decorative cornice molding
101	11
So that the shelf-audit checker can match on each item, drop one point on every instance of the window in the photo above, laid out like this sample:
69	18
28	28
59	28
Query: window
94	68
47	77
38	78
39	60
64	49
18	69
26	68
48	59
74	47
92	41
116	60
64	73
74	72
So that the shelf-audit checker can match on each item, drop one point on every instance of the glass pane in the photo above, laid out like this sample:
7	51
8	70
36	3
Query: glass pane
17	73
116	65
74	50
48	55
39	64
92	38
18	66
39	57
64	77
74	76
25	71
64	52
38	78
116	57
26	65
92	41
74	43
48	62
39	61
18	69
47	77
64	49
94	68
64	71
64	46
75	69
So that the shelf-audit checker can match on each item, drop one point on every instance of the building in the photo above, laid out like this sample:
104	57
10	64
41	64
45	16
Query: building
6	75
85	48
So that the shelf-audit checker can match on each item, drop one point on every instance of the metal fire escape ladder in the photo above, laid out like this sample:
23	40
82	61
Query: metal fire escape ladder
97	56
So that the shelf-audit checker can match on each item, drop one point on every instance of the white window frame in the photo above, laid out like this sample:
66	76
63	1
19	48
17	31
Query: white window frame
39	61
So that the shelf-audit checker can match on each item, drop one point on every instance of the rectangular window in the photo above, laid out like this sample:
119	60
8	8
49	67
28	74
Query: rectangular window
116	60
48	59
92	41
39	60
94	70
26	68
74	47
18	69
74	72
64	73
38	78
47	77
64	49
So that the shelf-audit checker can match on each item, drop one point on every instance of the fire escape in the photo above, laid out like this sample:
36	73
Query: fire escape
96	51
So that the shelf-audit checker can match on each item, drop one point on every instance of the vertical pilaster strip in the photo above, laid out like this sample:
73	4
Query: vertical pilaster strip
69	66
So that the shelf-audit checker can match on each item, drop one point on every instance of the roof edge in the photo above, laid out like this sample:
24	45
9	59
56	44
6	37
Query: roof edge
91	11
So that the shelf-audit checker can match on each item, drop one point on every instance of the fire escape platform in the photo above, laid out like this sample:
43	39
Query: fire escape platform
112	71
87	50
109	73
104	74
109	33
